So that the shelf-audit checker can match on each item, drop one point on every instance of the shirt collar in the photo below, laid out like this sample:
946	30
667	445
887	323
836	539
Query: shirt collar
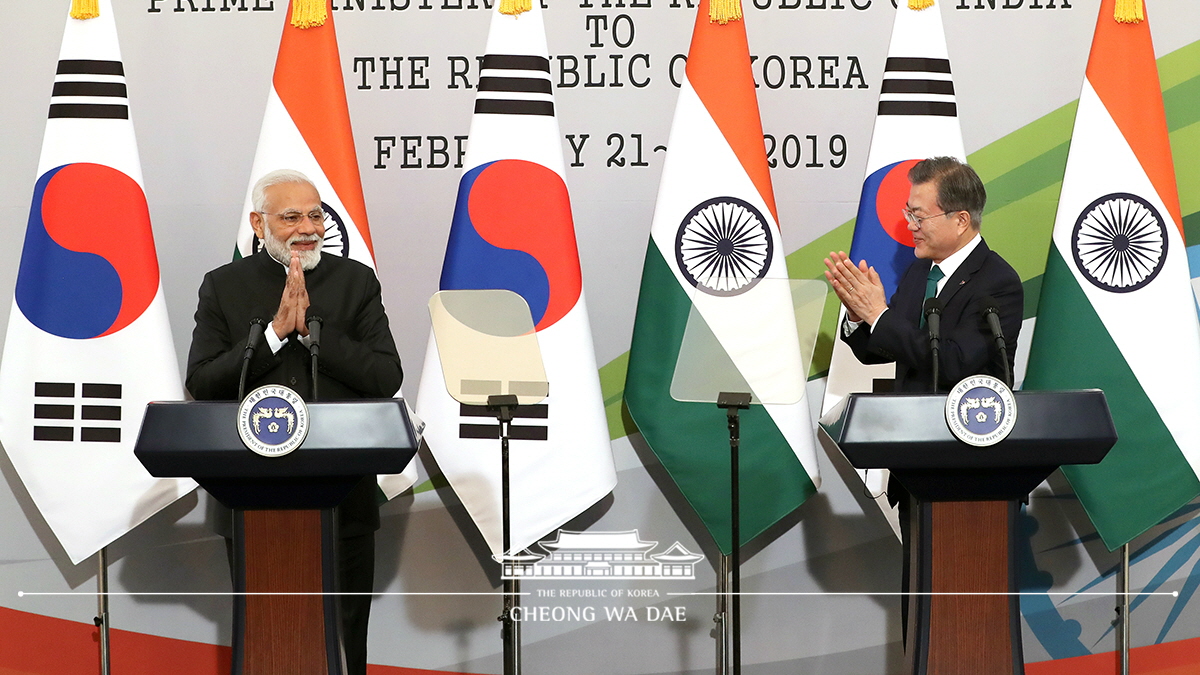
955	260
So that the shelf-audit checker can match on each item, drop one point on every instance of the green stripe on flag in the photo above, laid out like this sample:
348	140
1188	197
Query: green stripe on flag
1145	477
691	439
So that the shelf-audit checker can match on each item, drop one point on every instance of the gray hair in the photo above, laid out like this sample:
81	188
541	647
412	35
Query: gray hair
258	196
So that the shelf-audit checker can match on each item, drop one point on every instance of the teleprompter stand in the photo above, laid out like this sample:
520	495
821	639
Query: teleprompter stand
735	352
490	357
964	615
285	541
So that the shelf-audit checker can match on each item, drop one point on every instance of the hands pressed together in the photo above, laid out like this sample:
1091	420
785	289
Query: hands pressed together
857	286
293	306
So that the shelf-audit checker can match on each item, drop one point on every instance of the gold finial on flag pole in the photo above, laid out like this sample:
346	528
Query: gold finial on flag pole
515	7
85	9
918	5
1129	11
308	13
724	11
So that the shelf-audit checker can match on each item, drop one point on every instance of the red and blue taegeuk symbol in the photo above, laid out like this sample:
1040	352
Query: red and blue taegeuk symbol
88	268
512	229
881	235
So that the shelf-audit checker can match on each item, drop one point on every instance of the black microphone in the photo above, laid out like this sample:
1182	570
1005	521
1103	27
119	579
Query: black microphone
257	327
933	319
314	348
991	313
314	334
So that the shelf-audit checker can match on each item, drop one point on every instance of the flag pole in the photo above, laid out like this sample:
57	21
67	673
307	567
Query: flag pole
101	619
1125	632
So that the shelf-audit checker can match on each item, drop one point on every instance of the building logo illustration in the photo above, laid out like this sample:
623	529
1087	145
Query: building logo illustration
601	555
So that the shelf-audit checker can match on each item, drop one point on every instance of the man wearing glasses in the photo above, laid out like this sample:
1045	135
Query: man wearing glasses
283	284
954	264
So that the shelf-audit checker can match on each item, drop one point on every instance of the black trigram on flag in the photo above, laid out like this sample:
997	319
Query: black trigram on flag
511	84
522	432
917	86
54	412
87	89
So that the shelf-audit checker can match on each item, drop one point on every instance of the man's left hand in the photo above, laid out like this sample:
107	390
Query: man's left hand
858	287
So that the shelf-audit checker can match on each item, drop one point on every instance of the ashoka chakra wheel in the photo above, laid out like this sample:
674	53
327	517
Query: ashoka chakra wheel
724	246
1120	242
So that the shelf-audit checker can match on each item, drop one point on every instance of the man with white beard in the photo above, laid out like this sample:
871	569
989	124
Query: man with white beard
285	283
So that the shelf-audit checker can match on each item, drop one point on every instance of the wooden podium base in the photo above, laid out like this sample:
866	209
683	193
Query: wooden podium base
292	553
964	547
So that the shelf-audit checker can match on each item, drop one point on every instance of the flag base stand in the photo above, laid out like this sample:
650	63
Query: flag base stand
731	403
510	629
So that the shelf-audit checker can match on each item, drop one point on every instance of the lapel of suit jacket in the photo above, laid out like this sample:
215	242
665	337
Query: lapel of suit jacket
915	294
964	272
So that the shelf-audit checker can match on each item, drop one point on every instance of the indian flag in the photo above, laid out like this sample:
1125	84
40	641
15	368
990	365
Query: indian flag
715	245
1116	309
306	127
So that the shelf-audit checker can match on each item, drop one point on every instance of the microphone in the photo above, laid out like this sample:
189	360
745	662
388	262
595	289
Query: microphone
990	309
314	334
991	314
933	319
314	348
257	327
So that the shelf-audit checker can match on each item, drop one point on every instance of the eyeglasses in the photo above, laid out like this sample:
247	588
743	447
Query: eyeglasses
293	218
916	222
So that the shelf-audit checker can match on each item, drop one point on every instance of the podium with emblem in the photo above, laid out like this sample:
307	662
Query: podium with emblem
282	466
969	460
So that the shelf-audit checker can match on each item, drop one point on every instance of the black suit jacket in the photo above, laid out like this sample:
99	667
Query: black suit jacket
967	347
358	355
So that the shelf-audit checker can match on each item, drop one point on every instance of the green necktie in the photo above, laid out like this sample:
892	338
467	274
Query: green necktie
931	282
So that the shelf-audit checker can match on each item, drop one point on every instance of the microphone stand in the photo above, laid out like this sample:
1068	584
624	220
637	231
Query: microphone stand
933	319
257	326
314	349
991	314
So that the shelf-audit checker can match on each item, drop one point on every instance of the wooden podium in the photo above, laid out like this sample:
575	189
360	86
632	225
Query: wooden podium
285	532
962	555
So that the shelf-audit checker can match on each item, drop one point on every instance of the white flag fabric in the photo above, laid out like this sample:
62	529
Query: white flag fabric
917	118
512	229
88	342
306	127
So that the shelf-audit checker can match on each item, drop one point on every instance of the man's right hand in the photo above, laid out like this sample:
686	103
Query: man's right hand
293	305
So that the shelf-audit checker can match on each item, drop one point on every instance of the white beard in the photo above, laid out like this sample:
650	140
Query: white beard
282	250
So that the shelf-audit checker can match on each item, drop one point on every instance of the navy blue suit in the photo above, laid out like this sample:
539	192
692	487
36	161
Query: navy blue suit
967	347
